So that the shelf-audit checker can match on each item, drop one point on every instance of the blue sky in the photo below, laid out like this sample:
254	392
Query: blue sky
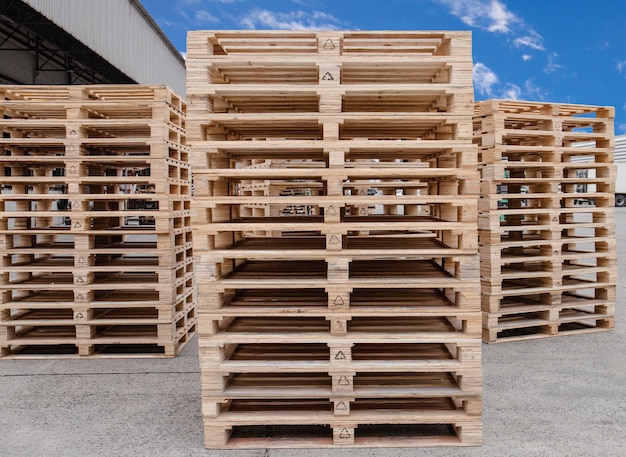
571	51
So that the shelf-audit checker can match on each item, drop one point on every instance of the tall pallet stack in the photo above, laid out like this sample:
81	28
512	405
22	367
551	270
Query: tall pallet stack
546	228
95	230
335	234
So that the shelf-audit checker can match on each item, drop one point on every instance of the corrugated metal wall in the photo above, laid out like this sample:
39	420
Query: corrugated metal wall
118	31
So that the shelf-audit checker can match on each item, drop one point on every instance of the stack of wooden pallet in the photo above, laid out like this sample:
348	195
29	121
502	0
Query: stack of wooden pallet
95	231
546	228
335	233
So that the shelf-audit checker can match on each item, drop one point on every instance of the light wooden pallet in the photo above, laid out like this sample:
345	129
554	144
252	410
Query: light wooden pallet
508	122
546	230
334	214
543	324
44	335
95	229
415	356
339	299
530	153
117	92
343	381
368	429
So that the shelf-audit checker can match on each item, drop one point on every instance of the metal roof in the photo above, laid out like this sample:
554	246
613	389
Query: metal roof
123	33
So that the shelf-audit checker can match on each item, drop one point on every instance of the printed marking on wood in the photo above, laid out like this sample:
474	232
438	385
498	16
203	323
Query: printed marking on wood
344	434
344	381
339	301
327	77
341	406
332	211
79	316
340	356
329	45
77	225
334	239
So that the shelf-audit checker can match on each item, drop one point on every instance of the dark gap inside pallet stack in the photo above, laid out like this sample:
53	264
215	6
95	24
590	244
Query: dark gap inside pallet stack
386	431
70	349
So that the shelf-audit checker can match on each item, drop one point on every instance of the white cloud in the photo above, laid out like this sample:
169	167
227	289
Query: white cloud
511	92
487	83
533	92
621	65
526	57
552	63
621	128
184	54
500	17
484	79
294	20
532	40
491	15
203	16
165	22
494	16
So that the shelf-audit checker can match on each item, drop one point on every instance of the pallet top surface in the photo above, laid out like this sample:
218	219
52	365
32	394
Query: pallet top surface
495	106
101	92
312	42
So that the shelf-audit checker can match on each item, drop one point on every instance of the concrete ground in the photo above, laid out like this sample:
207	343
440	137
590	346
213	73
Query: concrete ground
561	397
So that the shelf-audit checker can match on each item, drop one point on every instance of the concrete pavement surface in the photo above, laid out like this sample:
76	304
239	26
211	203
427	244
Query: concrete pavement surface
563	396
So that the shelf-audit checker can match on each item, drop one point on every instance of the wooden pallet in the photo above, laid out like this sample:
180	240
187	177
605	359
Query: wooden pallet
334	214
546	229
539	325
368	429
95	228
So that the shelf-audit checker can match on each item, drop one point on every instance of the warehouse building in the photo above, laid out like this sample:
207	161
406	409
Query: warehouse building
620	149
85	42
